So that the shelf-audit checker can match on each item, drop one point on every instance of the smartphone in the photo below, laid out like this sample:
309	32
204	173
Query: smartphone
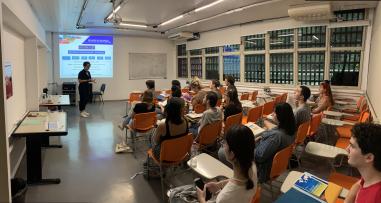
200	184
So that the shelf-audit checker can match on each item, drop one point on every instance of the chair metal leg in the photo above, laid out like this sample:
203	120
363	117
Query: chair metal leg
162	182
101	98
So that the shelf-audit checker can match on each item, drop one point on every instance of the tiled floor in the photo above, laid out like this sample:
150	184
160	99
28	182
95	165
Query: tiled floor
90	171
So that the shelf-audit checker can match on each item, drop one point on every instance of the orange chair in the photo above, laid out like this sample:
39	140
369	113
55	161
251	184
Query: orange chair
209	134
199	108
314	125
345	131
342	180
268	108
279	165
254	96
358	106
134	96
232	120
185	90
301	135
245	96
284	97
172	153
342	143
142	123
253	115
257	196
278	99
219	102
355	117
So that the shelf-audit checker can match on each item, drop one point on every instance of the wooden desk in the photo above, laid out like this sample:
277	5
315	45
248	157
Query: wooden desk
35	127
209	167
56	100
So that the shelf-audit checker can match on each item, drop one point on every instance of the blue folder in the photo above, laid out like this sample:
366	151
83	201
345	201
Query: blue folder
294	195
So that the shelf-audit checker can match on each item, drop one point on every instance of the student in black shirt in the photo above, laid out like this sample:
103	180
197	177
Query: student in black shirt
84	79
232	104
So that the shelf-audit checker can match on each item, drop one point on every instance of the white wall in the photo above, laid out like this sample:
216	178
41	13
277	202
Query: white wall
119	87
374	73
16	105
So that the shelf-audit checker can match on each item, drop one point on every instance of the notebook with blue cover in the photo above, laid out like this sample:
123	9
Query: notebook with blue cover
311	184
293	195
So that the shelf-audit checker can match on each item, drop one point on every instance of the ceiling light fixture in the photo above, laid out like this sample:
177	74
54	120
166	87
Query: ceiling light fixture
133	25
207	6
172	20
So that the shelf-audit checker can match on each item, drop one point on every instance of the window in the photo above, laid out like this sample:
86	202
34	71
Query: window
212	50
182	61
196	66
345	67
195	52
254	42
309	37
346	36
282	39
231	48
181	50
350	15
231	66
255	68
311	68
281	68
182	68
211	68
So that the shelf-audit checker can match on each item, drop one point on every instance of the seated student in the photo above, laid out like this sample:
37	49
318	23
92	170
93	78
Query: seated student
325	98
176	91
232	104
239	146
215	87
146	105
303	111
229	82
176	83
198	98
211	115
175	125
274	140
364	153
151	87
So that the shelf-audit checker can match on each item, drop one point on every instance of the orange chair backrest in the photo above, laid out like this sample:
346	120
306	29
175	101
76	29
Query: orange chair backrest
184	90
245	96
199	108
232	120
302	133
254	96
219	102
315	122
280	162
278	99
144	121
176	149
222	90
364	106
257	196
284	97
209	133
135	96
359	102
364	117
268	108
254	114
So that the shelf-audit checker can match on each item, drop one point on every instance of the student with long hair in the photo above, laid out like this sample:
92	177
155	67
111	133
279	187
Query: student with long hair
232	104
239	145
274	140
325	98
174	126
215	86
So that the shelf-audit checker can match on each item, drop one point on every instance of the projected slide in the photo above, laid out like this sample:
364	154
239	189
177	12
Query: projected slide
76	49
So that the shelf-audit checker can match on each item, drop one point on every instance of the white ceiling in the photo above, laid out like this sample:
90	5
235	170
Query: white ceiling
62	15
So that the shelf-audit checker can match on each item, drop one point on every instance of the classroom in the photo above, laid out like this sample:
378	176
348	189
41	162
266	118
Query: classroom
220	101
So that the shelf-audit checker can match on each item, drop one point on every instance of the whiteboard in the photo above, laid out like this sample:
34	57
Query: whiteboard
147	65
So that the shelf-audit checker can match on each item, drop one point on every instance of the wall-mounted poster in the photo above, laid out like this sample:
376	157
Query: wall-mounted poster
8	80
